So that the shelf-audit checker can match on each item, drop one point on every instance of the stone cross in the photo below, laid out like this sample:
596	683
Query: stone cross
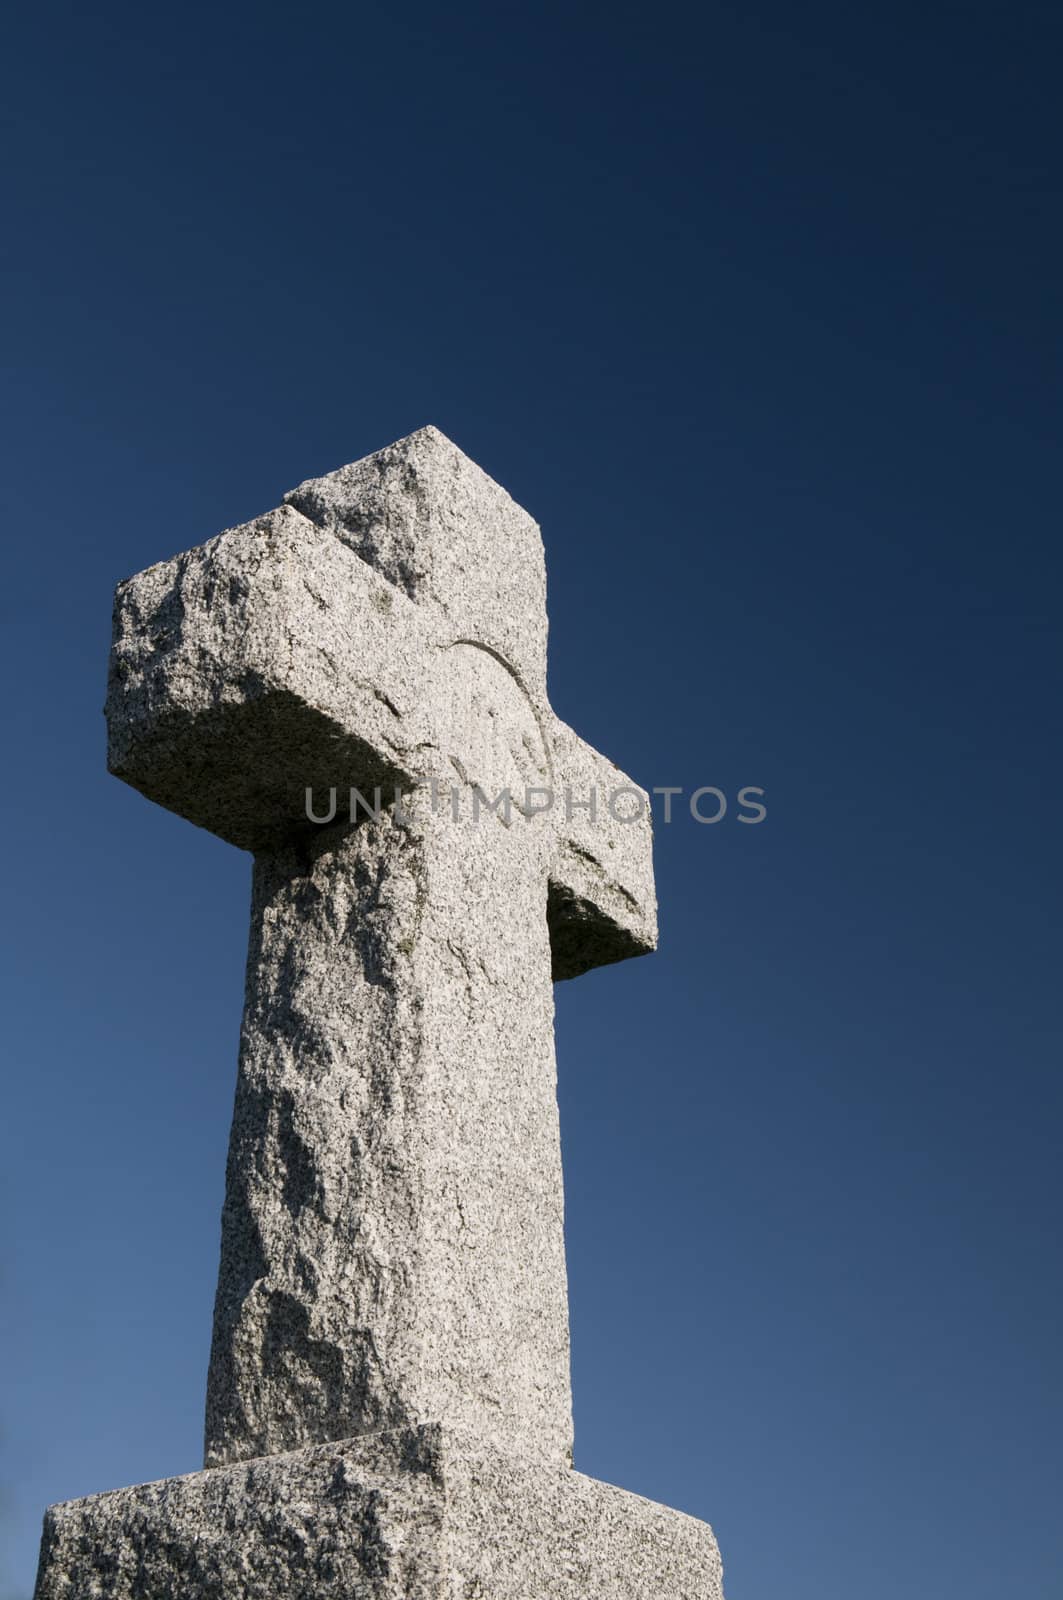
392	1245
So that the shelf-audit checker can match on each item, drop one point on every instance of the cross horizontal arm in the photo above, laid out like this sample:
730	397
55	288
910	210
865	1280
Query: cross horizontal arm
601	906
265	661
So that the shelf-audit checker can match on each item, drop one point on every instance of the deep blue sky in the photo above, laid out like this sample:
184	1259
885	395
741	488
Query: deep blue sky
756	308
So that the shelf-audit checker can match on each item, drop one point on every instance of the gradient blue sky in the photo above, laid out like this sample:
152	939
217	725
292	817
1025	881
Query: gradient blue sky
756	308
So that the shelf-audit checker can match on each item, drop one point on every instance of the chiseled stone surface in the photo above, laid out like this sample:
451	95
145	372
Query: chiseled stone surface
388	1409
281	655
437	527
392	1247
392	1243
411	1514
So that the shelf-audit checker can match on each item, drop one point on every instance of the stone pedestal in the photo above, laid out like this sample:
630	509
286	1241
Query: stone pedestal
413	1514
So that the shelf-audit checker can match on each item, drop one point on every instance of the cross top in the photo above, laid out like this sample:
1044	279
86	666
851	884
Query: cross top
392	1245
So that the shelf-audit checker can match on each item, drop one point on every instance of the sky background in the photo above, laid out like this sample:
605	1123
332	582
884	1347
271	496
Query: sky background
756	308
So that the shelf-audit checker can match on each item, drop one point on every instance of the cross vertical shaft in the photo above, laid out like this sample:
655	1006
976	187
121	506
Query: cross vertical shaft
392	1246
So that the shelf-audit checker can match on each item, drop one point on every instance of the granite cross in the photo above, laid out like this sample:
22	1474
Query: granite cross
392	1246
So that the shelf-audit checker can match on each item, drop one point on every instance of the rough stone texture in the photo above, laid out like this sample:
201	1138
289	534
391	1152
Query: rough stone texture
414	1514
280	655
388	1410
392	1240
392	1246
266	660
437	527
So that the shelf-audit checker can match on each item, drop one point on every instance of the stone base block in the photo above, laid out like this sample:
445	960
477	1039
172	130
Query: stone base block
414	1514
